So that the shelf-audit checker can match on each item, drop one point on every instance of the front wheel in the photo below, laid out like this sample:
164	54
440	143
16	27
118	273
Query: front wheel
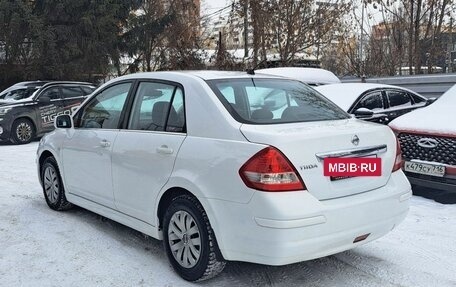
22	132
190	241
53	190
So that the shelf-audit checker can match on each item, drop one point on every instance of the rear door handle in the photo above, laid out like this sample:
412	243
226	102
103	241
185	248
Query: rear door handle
164	149
105	143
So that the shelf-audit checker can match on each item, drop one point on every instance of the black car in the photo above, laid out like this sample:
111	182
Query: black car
28	109
374	102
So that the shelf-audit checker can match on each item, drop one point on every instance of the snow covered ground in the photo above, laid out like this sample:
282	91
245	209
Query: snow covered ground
41	247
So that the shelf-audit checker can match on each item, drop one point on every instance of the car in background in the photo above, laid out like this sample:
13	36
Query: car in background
374	102
310	76
428	141
199	160
28	109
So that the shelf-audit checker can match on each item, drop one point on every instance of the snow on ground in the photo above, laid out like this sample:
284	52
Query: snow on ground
41	247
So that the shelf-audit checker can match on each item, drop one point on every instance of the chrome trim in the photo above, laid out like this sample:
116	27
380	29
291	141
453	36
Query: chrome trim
356	152
427	143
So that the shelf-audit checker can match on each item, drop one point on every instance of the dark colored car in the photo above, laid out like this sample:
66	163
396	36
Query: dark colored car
374	102
28	109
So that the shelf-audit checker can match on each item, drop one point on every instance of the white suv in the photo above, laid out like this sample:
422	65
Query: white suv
224	167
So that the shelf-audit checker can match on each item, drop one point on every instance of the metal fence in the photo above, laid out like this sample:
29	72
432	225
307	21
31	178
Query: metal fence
426	85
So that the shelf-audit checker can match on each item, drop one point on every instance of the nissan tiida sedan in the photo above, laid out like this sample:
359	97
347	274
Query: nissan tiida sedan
226	166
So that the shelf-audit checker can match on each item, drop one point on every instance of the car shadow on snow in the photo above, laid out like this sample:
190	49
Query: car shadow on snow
440	196
8	143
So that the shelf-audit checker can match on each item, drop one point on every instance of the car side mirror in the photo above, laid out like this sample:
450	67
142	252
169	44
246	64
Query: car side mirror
44	99
63	122
363	113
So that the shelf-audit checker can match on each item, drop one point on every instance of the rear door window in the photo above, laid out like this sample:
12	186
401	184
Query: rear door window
398	99
52	93
87	90
69	92
158	107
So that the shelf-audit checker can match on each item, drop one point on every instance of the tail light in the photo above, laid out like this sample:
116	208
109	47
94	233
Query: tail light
270	170
398	161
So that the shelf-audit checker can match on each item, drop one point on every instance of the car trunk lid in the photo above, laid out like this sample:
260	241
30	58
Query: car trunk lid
306	145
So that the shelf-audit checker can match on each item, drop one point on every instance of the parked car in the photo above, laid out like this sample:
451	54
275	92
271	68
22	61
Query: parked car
199	160
374	102
310	76
428	141
28	109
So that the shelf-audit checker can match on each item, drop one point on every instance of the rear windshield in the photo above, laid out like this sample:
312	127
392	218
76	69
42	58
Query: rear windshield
270	101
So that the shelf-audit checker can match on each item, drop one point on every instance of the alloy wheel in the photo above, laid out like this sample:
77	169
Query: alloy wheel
24	132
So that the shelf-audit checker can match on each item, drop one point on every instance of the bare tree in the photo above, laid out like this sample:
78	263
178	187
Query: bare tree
290	27
422	21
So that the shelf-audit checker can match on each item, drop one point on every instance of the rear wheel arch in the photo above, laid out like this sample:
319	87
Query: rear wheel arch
179	205
174	192
166	199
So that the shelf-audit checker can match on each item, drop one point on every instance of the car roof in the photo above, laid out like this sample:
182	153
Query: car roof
67	83
37	84
312	76
345	94
203	74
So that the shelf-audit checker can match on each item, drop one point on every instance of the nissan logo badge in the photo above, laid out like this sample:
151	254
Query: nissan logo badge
355	140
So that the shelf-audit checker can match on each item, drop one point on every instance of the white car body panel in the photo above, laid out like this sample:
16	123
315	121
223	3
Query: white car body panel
142	170
83	148
323	228
126	180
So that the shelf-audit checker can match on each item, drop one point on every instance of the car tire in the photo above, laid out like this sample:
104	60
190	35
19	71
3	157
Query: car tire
53	189
186	224
22	132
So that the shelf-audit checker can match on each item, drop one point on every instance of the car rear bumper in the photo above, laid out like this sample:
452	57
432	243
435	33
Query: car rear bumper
289	227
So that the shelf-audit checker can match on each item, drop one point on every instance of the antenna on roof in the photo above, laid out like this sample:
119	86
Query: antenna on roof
251	71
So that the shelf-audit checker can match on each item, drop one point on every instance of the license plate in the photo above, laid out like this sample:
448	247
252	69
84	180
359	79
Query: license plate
344	167
425	168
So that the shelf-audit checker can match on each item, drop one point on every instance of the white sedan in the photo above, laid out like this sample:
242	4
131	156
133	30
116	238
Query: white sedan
201	161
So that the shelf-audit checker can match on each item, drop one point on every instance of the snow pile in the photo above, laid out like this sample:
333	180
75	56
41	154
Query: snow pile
439	117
